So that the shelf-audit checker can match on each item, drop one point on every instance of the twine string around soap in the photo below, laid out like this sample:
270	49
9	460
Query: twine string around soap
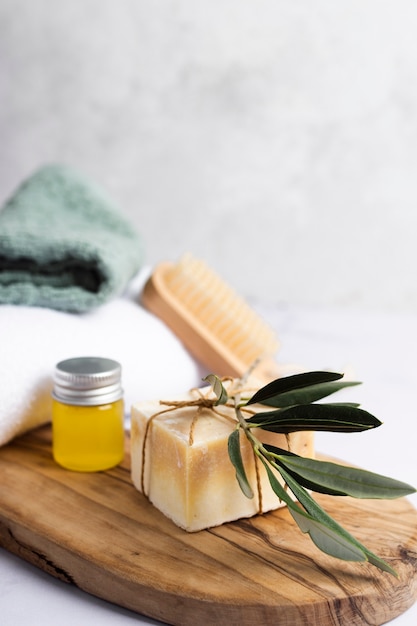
210	404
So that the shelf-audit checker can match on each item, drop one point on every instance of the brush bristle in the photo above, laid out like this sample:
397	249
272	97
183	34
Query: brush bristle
220	309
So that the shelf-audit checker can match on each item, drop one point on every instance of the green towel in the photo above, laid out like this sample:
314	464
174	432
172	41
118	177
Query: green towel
63	244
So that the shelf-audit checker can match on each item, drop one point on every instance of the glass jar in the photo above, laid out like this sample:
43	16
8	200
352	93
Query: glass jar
88	414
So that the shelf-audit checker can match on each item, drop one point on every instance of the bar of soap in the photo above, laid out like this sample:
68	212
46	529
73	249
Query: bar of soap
192	481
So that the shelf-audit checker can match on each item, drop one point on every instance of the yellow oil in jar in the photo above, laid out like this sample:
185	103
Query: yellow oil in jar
88	438
87	414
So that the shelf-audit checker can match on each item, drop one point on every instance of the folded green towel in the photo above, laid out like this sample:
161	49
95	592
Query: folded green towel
63	244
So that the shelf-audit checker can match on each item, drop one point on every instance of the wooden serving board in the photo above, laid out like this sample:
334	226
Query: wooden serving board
97	532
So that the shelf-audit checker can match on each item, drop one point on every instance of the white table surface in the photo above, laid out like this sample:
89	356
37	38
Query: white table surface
378	349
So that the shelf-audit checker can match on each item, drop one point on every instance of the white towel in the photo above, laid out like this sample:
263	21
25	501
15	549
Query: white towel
155	365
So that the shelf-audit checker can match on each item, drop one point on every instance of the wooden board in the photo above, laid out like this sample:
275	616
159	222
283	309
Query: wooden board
97	532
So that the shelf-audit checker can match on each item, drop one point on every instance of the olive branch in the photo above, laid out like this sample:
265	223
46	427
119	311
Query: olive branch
292	407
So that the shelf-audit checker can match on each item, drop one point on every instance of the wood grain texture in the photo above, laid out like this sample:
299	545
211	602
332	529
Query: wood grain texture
97	532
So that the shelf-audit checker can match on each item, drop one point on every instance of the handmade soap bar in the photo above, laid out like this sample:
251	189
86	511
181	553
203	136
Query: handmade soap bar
180	461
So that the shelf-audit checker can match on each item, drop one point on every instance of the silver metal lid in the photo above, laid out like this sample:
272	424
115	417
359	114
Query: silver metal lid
87	381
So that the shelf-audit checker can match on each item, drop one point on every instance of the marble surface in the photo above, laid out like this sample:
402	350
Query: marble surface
378	349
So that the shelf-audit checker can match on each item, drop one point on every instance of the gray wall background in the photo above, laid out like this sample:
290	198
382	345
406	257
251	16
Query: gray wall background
276	139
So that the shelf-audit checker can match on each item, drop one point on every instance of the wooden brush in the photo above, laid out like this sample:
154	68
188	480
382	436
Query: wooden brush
213	322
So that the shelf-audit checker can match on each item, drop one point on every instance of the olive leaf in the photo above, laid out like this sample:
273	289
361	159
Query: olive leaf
320	516
308	394
292	383
328	537
236	459
321	417
218	388
329	477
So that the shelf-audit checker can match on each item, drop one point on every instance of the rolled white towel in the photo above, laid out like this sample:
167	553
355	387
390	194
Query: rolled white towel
154	363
